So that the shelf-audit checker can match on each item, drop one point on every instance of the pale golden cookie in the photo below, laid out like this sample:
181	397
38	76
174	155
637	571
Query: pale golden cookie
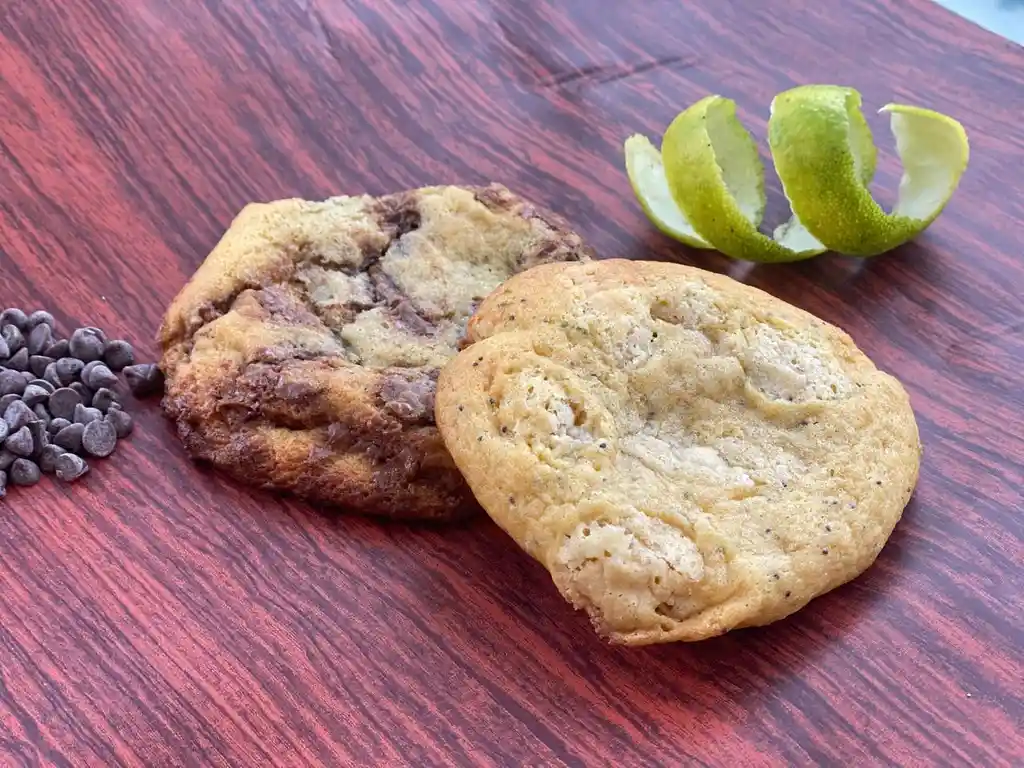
684	453
303	354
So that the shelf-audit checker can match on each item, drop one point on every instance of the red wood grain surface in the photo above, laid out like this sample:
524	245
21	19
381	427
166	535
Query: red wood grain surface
157	614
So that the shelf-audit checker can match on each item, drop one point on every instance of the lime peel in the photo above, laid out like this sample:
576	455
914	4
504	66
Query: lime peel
706	186
647	175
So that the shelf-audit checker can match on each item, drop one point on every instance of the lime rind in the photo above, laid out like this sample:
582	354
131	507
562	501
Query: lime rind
647	176
934	151
828	184
706	186
717	180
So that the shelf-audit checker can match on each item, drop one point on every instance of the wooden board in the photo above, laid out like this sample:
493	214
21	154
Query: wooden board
158	614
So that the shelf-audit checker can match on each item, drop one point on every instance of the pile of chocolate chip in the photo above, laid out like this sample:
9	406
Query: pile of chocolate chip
59	398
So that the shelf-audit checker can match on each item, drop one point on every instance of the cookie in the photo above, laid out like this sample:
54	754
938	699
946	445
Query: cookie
685	454
303	354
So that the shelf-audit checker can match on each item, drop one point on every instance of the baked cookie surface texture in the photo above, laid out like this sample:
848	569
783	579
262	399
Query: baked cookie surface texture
685	454
303	354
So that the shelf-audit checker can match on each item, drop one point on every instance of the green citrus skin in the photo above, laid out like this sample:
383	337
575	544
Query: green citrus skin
706	186
647	177
828	187
716	178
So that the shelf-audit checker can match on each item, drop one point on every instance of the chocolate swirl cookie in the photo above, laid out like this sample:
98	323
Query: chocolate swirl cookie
303	354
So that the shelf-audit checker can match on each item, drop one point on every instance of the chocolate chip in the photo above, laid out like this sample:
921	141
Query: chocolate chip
56	425
59	395
44	384
18	415
14	316
145	379
70	467
14	338
11	383
69	369
40	317
48	458
121	420
20	443
86	345
118	354
87	370
51	375
99	438
63	402
18	361
40	437
85	415
104	398
70	438
24	472
58	349
39	339
97	375
34	394
42	414
37	364
83	392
